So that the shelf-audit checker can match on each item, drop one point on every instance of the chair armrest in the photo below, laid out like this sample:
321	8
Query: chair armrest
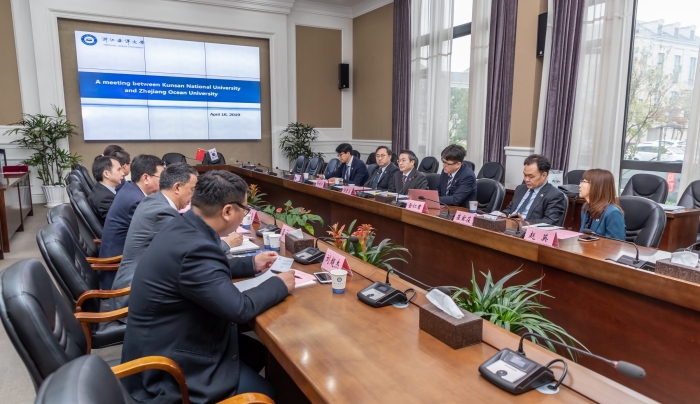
97	240
248	398
105	267
109	260
86	318
154	363
100	294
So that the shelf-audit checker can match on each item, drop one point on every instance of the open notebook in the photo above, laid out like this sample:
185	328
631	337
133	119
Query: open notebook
247	246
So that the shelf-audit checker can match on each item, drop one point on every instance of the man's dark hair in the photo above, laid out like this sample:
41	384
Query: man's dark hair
217	188
111	149
176	173
344	148
122	157
388	151
411	156
101	164
543	164
453	153
144	164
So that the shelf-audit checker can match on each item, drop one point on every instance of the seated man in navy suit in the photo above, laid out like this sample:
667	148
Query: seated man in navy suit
108	175
352	170
146	170
457	181
124	159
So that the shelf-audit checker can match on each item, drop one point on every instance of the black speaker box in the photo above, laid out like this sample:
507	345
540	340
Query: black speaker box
343	76
541	34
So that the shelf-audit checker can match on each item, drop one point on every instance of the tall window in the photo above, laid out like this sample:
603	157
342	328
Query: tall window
658	104
459	72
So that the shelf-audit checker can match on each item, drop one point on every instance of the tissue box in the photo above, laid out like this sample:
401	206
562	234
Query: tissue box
385	199
454	332
294	244
498	225
666	267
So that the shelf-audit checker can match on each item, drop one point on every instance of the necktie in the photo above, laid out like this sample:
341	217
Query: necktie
449	182
377	178
524	204
347	172
405	178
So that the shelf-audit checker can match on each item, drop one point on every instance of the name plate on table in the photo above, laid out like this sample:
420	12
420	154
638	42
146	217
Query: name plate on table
297	177
285	229
333	260
321	183
416	206
464	218
254	216
349	190
539	236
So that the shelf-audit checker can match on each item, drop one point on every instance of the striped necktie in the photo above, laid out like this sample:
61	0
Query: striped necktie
449	182
377	178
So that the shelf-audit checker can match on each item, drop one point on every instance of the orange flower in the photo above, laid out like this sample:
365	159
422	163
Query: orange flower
363	233
337	233
279	210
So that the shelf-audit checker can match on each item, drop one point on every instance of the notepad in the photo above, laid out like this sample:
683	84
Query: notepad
302	279
246	246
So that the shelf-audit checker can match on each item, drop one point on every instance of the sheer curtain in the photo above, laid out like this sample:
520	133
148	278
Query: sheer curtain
431	47
478	76
691	161
599	111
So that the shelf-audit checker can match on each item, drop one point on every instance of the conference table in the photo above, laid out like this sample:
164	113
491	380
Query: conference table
616	311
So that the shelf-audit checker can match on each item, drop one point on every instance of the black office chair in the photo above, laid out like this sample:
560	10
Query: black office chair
86	173
492	170
647	186
171	158
82	207
75	184
429	165
573	177
220	160
691	199
562	218
645	220
356	154
371	159
315	166
65	214
489	194
470	164
299	165
79	175
332	165
433	181
394	158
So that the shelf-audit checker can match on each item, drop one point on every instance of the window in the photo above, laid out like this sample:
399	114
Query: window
676	31
692	34
660	60
691	71
459	72
676	68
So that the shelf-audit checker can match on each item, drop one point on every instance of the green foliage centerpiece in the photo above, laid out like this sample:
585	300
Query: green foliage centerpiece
379	255
299	218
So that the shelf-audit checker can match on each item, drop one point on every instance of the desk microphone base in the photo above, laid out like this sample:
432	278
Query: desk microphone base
444	215
639	264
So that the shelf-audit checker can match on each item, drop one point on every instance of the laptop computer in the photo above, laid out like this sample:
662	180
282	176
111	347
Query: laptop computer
414	194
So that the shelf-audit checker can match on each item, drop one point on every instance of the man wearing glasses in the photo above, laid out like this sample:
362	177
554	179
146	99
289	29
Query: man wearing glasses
407	177
352	170
457	181
381	175
145	172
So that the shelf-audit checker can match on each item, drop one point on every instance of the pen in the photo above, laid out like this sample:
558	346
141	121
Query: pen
274	271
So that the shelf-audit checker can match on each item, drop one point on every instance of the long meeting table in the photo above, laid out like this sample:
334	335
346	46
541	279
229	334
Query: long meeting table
616	311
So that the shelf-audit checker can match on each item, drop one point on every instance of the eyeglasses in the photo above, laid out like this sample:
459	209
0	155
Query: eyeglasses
585	181
246	209
380	156
157	176
447	163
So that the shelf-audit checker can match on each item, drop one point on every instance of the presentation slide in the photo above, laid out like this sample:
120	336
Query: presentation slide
139	88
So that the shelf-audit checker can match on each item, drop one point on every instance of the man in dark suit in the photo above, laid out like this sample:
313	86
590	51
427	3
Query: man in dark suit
108	175
352	170
184	306
146	174
381	175
124	159
457	181
408	177
536	201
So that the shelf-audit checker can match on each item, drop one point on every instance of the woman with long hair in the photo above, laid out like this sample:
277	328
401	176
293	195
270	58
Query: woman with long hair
601	213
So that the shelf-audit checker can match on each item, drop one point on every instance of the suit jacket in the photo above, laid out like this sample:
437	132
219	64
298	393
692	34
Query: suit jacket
416	180
358	172
386	178
548	206
462	189
184	306
121	185
100	200
611	223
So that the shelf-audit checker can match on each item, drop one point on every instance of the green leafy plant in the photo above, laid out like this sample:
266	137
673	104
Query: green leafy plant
299	218
42	134
380	255
296	141
255	196
514	308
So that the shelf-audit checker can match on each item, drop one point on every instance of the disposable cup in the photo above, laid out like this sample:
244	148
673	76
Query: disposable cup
339	277
274	242
472	206
266	238
247	220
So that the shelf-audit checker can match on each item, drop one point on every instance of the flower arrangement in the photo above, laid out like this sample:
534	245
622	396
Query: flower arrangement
299	218
255	196
364	249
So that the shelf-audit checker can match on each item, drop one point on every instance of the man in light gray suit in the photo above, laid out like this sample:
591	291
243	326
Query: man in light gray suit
177	184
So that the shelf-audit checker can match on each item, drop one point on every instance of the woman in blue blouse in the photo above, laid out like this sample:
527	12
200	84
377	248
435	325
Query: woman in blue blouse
601	213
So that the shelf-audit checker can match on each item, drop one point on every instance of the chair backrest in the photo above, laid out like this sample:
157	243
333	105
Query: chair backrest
470	164
209	162
82	179
84	380
331	167
315	166
371	159
86	174
562	218
648	186
299	165
356	154
645	220
67	263
492	170
433	181
38	321
574	177
691	197
394	158
78	184
489	194
429	165
171	158
65	214
84	210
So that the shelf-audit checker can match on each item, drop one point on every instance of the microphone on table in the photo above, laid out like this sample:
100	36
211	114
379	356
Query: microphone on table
268	172
442	214
688	249
311	255
625	259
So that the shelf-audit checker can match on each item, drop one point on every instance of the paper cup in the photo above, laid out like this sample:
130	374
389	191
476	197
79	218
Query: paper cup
247	220
339	181
351	185
274	242
339	277
306	176
266	238
472	206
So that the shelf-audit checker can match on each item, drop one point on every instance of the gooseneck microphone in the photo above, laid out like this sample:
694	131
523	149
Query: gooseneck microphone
442	214
268	172
352	239
625	260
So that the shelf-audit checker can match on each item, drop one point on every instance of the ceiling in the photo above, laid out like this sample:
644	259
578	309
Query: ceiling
342	3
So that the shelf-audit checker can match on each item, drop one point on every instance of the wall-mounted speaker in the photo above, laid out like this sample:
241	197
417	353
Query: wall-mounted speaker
541	34
343	76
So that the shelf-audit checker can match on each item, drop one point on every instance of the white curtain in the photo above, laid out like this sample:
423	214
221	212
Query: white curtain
478	75
598	126
545	77
431	47
691	161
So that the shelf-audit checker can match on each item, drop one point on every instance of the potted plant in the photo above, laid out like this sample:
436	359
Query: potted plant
379	255
42	134
298	218
296	141
255	196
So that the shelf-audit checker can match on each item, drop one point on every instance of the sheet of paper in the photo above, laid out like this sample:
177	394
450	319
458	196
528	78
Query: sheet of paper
671	207
253	282
302	279
550	227
241	230
564	234
246	246
282	264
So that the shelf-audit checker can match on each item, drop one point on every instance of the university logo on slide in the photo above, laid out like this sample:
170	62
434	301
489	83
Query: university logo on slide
89	39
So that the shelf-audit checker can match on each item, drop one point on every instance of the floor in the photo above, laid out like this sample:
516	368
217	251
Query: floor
15	384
